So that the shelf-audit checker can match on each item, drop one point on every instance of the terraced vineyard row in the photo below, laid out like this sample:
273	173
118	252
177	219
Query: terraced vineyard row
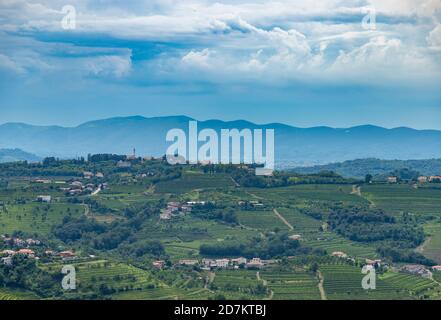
344	282
292	285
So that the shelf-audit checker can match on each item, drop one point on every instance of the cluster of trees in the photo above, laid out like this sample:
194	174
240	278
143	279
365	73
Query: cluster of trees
212	211
397	254
369	225
273	246
23	273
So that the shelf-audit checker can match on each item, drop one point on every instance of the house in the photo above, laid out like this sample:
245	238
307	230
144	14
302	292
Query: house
222	263
339	254
43	181
159	264
165	215
7	261
422	179
75	191
436	268
210	263
76	184
239	261
32	242
88	175
67	255
186	262
435	179
255	263
99	175
46	199
27	252
295	237
392	179
416	269
7	252
123	164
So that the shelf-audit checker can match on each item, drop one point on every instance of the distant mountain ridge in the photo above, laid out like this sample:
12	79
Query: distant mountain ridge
293	146
12	155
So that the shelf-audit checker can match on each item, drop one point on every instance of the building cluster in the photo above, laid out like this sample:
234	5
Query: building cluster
178	208
417	270
90	175
253	203
77	188
227	263
45	199
420	179
19	242
23	247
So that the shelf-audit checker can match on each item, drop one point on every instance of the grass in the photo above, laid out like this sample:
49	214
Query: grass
343	282
15	294
236	284
292	285
191	182
432	247
35	218
261	220
399	198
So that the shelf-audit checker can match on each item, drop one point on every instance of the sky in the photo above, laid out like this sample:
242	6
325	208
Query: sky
305	63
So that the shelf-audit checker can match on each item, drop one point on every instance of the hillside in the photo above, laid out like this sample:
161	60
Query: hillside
11	155
360	167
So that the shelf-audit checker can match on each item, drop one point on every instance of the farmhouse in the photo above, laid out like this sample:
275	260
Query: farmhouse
186	262
159	264
436	268
422	179
239	261
416	269
435	179
255	263
7	261
67	255
295	237
27	252
123	164
339	254
392	179
46	199
166	215
222	263
7	252
88	175
43	181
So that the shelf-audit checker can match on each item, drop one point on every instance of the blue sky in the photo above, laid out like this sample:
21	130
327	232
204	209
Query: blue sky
302	62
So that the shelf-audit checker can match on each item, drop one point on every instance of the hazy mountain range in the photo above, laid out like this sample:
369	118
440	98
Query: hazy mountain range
293	146
12	155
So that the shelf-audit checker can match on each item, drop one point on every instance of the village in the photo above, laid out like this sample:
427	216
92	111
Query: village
29	247
221	263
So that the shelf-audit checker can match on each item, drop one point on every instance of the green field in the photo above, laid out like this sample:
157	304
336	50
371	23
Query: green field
190	182
344	282
35	218
291	285
399	198
261	220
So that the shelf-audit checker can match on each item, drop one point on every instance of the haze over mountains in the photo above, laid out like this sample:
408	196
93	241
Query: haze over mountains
293	146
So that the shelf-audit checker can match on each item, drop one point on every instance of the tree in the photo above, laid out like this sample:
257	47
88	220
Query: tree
368	178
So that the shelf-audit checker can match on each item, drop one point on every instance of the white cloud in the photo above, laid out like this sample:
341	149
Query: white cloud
8	64
252	40
115	66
